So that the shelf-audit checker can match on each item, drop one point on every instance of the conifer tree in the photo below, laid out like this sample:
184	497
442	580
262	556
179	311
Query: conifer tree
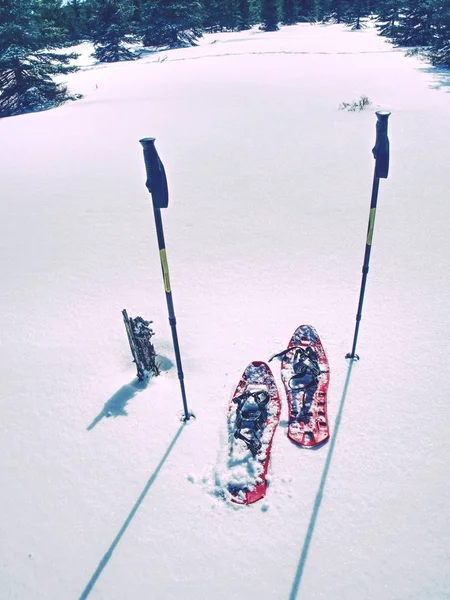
212	15
245	17
310	10
75	15
229	15
337	11
27	62
415	23
270	17
137	11
51	20
290	12
439	52
110	26
354	13
172	23
388	17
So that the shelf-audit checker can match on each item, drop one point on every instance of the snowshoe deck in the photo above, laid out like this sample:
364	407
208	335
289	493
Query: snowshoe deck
305	373
253	416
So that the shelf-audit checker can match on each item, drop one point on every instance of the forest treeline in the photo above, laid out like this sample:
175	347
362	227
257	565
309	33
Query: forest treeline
35	35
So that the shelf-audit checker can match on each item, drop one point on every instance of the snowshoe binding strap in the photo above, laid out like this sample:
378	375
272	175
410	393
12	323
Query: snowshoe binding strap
305	365
303	381
251	416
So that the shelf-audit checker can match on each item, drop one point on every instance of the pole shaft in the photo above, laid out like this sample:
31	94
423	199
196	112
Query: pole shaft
381	155
170	307
365	268
157	186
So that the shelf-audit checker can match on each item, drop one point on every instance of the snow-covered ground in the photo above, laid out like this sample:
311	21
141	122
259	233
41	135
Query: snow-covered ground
269	195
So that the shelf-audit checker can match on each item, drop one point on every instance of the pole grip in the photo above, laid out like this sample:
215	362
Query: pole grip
156	176
381	148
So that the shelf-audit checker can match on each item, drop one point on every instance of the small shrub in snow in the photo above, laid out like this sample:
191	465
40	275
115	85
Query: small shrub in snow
356	105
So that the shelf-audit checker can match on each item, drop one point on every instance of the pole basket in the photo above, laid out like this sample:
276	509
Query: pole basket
144	356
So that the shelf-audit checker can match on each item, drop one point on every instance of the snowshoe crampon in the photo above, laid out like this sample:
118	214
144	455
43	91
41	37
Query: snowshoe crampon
253	416
305	373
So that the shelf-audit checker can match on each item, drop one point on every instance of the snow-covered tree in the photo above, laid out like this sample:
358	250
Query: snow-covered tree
27	62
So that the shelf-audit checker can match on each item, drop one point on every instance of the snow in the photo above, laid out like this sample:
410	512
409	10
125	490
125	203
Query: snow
269	194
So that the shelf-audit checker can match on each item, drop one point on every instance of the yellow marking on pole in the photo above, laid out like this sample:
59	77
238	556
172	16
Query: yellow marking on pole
165	268
371	226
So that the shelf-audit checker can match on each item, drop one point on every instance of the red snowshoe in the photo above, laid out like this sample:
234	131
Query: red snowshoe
252	420
305	373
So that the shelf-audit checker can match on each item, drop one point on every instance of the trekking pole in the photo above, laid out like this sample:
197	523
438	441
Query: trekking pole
157	186
381	155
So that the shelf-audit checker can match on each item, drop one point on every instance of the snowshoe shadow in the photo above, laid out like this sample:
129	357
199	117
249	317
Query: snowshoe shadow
115	406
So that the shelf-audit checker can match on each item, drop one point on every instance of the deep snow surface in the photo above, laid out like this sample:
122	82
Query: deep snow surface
269	194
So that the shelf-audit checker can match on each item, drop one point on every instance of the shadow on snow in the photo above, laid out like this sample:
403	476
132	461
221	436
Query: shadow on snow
318	501
115	406
441	76
104	561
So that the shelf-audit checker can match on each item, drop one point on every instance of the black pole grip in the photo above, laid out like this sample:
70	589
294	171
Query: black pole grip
381	148
156	176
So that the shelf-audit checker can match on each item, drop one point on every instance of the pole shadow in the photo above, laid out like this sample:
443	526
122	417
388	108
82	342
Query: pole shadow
319	496
104	561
